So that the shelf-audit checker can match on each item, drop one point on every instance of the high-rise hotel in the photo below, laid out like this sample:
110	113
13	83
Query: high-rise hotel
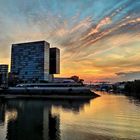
32	61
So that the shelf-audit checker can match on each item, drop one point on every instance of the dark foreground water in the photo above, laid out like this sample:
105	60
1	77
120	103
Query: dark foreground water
109	117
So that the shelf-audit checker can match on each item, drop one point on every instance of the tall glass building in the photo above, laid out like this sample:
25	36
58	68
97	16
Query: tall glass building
54	61
30	61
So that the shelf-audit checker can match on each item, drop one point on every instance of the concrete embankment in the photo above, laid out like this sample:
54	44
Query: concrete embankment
50	94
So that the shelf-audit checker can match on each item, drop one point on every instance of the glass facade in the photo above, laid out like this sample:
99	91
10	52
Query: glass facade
54	61
30	61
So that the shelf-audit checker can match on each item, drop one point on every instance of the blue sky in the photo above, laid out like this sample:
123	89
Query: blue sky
98	39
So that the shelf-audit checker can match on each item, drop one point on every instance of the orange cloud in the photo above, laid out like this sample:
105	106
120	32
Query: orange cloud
102	23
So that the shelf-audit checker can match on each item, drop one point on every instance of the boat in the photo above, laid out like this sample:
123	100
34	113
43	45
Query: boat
50	90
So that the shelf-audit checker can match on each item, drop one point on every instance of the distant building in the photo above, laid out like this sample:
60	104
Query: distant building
120	86
3	74
13	79
34	61
63	80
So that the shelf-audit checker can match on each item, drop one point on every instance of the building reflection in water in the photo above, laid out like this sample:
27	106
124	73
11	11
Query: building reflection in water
2	113
34	120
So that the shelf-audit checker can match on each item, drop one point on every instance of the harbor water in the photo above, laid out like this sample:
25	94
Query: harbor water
111	116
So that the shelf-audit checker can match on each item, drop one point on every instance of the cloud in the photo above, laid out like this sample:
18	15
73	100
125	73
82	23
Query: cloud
95	37
128	75
102	23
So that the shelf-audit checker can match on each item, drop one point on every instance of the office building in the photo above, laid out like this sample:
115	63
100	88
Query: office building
54	61
3	74
35	61
30	61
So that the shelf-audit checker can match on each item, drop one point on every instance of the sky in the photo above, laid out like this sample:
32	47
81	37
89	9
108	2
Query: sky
99	39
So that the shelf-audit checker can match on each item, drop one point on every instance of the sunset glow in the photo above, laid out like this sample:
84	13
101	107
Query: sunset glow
99	40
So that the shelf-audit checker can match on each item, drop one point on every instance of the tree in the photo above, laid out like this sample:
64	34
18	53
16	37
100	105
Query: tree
77	79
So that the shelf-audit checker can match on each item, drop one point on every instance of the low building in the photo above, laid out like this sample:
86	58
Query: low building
63	80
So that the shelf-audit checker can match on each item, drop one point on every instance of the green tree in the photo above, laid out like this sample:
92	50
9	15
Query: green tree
77	79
